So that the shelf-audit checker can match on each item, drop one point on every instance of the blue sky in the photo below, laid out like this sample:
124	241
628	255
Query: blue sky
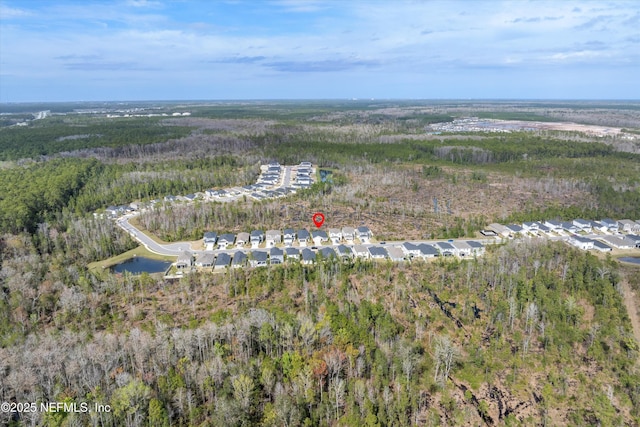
294	49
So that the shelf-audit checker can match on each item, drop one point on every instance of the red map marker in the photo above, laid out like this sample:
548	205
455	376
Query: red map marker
318	219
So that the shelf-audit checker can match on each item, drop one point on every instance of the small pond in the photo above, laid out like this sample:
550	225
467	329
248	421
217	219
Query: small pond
139	265
631	259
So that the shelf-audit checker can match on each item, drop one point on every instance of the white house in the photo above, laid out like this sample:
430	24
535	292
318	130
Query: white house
620	242
611	224
184	260
410	249
531	227
319	236
289	236
428	251
462	248
239	259
446	249
348	234
256	237
273	237
335	235
395	254
361	251
582	224
292	254
205	260
258	259
344	252
222	261
226	240
581	242
364	234
243	239
276	256
553	225
628	226
303	237
308	256
378	252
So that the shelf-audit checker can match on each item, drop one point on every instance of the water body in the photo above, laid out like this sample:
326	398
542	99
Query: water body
631	259
139	265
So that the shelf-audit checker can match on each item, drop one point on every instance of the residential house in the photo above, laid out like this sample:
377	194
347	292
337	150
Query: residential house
344	252
185	260
462	248
581	242
308	256
276	256
243	239
348	234
258	259
226	240
239	259
190	197
553	225
170	199
364	234
273	237
303	237
602	247
611	224
114	210
428	251
410	249
361	251
395	253
335	235
292	254
205	260
319	236
598	226
477	248
582	224
499	229
570	227
378	252
210	238
514	228
635	238
445	248
628	226
289	236
531	227
223	260
327	253
619	242
257	237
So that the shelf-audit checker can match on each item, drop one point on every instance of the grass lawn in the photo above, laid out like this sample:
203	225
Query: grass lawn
139	251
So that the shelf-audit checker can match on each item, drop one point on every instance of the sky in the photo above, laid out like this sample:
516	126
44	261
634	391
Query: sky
125	50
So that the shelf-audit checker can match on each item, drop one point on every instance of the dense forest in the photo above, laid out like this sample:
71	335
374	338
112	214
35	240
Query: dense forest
532	333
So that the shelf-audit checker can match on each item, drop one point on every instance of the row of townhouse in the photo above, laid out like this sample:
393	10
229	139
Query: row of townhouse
605	243
288	236
275	255
605	226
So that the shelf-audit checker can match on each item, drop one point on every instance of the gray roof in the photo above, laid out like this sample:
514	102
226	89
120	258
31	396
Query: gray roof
239	258
343	250
363	229
445	246
290	231
257	233
259	255
211	235
276	252
308	255
377	251
327	252
474	244
426	249
303	234
227	237
319	233
223	259
292	252
205	258
601	245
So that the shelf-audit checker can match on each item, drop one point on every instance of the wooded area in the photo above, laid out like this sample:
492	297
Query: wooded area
533	333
